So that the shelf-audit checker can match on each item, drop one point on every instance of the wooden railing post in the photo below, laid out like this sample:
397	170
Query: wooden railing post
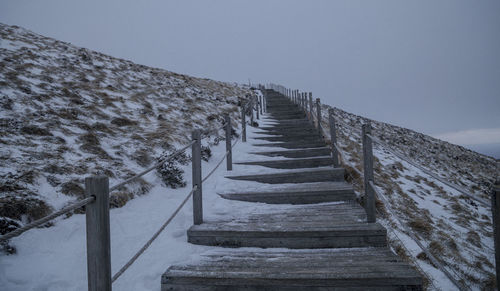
196	163
229	158
368	173
261	104
305	104
333	137
98	234
251	111
257	106
495	209
302	104
311	106
243	124
318	114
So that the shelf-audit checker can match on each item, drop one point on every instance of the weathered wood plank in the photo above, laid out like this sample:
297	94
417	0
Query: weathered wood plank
311	175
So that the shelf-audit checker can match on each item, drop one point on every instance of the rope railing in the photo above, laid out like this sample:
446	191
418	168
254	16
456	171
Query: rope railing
166	159
157	233
413	236
97	204
315	116
46	219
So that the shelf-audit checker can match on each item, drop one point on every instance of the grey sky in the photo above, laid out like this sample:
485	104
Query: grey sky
432	66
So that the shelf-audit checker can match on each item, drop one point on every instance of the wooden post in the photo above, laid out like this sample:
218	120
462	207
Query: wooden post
98	237
243	124
251	111
260	104
257	106
333	135
318	114
196	162
311	107
302	100
229	158
495	209
305	104
368	173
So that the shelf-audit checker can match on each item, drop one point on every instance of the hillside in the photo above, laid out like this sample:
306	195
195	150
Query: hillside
68	112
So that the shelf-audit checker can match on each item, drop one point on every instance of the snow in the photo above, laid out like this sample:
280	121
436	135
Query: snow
55	258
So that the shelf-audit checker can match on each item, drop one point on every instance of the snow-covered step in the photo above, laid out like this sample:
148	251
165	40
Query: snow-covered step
296	153
313	162
310	194
288	115
292	133
340	269
334	225
293	144
297	176
293	121
285	138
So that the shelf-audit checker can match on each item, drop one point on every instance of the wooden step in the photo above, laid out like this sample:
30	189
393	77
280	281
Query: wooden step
309	226
286	138
297	176
341	269
307	194
297	134
293	145
290	128
313	162
297	153
287	115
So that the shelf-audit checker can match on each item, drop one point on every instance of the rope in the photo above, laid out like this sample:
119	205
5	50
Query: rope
45	219
401	156
157	233
414	238
117	186
150	241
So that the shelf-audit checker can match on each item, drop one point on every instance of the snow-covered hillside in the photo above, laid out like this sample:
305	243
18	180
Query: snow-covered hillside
456	229
68	112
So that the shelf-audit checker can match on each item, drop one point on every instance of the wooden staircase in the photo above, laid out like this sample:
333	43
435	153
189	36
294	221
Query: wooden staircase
321	243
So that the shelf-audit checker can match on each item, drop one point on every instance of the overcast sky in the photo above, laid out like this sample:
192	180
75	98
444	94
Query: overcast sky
432	66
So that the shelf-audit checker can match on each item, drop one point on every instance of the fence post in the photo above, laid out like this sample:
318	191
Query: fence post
229	158
98	237
333	135
251	111
311	106
196	162
261	104
368	173
318	114
495	209
257	106
302	100
243	124
305	104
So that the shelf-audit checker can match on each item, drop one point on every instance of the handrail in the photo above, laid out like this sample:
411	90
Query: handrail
157	233
170	157
376	191
47	218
